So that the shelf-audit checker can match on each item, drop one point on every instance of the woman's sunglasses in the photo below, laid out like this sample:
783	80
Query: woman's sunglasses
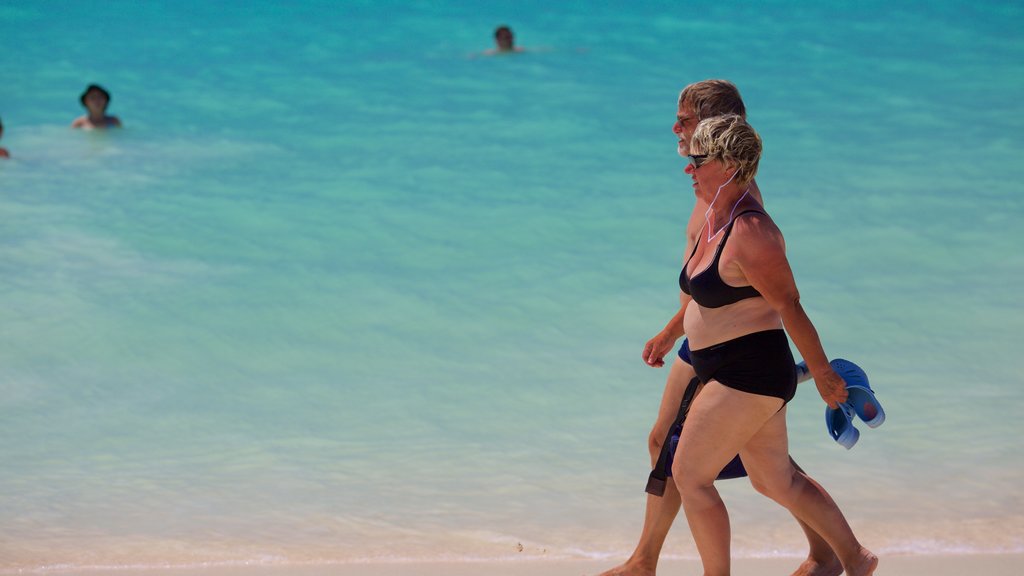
697	160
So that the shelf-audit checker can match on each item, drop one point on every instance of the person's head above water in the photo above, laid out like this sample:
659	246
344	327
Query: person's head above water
732	142
504	39
95	98
702	100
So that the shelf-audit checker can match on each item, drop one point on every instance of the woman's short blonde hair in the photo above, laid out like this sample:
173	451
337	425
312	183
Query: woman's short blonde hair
730	140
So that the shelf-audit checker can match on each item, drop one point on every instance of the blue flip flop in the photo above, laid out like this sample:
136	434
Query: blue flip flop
860	401
866	405
803	373
839	422
861	397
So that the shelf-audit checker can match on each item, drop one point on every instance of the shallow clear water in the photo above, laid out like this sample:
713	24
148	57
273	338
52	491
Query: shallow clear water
341	291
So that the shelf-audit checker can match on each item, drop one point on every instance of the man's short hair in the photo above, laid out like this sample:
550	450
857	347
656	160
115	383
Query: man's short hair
710	98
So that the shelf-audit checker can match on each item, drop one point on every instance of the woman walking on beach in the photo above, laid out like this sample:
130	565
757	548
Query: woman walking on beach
697	101
741	300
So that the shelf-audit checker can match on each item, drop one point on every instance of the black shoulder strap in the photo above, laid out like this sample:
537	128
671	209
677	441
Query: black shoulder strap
729	231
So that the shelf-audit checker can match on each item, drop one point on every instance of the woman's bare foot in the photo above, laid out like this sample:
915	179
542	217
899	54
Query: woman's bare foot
817	567
629	568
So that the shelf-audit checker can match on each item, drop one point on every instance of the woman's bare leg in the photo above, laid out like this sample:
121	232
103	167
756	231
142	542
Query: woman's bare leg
721	422
821	560
772	473
660	512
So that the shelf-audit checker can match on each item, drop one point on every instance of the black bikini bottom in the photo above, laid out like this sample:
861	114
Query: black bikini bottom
759	363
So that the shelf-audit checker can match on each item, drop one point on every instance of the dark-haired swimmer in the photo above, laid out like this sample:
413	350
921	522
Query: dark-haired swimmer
504	42
96	99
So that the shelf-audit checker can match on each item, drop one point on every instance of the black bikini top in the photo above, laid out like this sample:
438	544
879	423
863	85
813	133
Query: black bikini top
707	287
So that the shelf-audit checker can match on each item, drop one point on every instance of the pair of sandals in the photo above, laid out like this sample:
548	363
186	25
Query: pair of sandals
861	402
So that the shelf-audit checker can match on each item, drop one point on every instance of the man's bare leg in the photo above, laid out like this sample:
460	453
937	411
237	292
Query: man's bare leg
661	511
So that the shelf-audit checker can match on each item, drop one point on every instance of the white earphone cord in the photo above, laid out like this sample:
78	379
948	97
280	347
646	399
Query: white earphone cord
712	205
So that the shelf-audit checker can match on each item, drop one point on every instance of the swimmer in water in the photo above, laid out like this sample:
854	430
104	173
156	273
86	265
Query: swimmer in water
504	42
3	151
96	99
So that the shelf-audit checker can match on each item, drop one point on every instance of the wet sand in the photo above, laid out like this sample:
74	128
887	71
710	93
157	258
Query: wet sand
954	565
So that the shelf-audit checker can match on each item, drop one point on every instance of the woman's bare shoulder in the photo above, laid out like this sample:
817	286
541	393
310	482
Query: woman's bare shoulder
756	228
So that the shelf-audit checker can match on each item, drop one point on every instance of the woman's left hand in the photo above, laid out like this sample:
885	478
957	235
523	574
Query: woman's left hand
831	386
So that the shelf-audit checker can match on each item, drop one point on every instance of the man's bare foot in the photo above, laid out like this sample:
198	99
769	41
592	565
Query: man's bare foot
865	564
629	569
815	567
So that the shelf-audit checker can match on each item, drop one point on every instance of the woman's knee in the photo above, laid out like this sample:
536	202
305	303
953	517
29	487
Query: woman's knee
688	479
778	486
760	485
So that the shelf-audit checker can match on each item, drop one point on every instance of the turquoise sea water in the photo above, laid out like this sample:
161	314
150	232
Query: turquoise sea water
342	292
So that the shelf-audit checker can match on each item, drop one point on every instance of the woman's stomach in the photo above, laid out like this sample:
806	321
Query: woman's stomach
709	326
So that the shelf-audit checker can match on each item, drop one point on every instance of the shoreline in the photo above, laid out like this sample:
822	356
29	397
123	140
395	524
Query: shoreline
1010	564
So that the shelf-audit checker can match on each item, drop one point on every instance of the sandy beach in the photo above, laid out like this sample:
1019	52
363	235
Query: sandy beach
953	565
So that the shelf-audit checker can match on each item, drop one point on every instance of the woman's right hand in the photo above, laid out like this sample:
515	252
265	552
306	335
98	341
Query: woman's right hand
656	349
832	387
